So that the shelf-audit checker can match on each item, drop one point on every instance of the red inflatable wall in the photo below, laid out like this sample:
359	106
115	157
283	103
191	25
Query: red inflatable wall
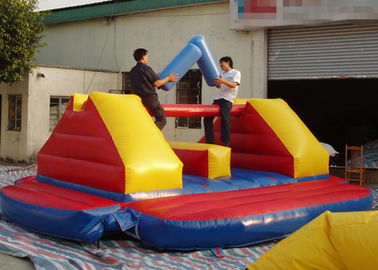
81	151
254	144
195	162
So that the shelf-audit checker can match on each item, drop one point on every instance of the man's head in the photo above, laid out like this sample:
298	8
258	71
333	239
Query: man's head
140	55
226	63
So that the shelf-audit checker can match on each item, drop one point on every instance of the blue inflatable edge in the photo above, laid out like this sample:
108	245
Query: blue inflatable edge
119	197
78	225
207	234
311	178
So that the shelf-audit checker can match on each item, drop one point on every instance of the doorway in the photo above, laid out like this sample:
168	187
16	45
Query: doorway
337	111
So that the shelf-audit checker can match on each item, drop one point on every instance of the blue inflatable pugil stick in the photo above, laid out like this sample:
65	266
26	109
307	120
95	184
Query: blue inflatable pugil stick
207	63
181	64
198	51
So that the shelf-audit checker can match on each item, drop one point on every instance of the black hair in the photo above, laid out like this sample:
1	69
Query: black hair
227	59
139	53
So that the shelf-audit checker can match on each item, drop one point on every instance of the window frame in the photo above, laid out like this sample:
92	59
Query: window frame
17	113
191	122
60	110
126	83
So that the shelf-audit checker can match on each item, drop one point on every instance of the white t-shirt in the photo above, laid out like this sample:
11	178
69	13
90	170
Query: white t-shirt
227	92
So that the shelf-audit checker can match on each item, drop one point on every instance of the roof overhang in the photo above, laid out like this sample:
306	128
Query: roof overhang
110	9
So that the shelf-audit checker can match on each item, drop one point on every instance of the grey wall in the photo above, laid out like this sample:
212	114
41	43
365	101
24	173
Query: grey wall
109	44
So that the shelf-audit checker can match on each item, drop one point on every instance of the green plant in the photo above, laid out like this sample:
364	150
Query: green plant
20	37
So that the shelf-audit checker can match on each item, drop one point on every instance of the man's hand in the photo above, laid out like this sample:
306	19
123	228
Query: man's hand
219	81
172	77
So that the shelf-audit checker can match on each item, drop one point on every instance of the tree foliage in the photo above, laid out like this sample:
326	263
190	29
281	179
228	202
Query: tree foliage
20	37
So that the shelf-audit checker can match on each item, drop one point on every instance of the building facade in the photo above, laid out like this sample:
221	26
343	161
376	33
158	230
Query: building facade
322	59
31	109
108	43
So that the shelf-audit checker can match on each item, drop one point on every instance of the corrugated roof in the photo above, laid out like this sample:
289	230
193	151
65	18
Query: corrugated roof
116	8
55	5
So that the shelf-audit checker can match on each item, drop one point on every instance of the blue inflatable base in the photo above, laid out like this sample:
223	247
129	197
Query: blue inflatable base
215	213
240	179
205	223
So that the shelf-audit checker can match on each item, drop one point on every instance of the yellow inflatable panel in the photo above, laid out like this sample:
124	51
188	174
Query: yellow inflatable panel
310	157
78	102
355	238
217	158
150	163
241	101
331	241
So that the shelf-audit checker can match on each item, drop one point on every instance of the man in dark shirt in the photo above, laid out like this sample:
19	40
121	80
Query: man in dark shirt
143	83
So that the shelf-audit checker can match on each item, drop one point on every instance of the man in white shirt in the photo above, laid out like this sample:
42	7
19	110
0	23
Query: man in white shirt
228	83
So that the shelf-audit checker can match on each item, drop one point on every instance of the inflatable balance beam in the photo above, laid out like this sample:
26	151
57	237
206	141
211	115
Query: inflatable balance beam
106	147
198	110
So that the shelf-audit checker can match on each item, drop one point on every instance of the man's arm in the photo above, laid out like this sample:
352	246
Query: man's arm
222	80
170	78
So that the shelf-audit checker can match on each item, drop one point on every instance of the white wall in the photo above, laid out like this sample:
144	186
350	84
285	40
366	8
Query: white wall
101	44
13	143
58	82
24	145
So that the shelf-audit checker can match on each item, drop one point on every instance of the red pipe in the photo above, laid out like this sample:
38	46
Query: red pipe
197	110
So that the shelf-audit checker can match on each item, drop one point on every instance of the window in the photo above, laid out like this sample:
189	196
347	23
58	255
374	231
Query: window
58	106
14	112
126	83
189	92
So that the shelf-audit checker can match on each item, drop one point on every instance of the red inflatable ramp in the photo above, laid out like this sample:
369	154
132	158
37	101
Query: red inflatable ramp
248	202
58	211
41	194
241	217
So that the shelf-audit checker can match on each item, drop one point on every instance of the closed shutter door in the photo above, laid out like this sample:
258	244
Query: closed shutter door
329	51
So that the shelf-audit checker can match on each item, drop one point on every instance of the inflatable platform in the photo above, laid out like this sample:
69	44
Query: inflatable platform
107	169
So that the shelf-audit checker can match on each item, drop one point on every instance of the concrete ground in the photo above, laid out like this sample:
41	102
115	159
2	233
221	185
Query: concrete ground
9	262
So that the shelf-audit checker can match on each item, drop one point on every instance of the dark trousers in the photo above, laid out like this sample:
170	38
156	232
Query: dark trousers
152	103
225	109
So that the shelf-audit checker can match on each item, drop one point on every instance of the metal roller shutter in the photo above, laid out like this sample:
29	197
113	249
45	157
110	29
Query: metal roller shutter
329	51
